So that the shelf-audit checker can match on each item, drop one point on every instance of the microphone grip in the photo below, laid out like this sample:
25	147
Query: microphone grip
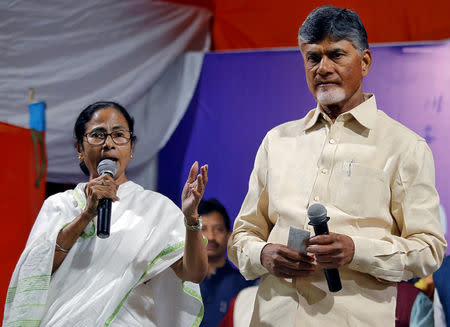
104	218
331	275
333	279
321	229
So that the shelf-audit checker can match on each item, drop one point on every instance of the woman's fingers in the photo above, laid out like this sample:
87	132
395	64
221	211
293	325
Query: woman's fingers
204	173
102	187
192	173
198	185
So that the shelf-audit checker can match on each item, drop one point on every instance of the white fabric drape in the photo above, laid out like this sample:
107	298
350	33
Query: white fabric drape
76	53
105	282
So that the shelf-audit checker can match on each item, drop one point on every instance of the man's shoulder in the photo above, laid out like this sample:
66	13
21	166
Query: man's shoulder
395	129
291	128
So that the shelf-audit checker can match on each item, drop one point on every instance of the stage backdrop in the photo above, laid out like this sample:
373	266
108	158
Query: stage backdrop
241	95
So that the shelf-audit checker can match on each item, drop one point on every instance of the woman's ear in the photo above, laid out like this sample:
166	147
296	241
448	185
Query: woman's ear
79	148
83	167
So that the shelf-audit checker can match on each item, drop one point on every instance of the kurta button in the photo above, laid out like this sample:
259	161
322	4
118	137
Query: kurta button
316	198
332	141
324	171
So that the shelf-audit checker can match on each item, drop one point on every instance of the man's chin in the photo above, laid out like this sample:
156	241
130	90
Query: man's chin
330	98
214	255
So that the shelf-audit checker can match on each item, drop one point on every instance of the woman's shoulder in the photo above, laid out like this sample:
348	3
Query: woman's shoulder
67	195
131	188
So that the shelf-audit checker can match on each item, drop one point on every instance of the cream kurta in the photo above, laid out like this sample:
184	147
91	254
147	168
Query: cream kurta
124	280
376	179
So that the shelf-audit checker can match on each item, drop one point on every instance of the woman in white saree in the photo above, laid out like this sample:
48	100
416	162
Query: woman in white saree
66	276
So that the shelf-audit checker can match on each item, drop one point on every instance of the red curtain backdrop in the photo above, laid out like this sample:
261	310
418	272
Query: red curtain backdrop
250	24
21	199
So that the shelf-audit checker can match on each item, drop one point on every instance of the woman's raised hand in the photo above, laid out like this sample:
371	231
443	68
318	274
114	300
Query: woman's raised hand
193	191
102	187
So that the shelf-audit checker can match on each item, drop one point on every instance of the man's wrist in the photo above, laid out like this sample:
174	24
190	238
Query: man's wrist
261	254
254	251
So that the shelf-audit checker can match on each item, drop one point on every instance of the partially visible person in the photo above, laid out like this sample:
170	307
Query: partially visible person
240	312
432	304
67	276
223	281
441	297
442	294
422	309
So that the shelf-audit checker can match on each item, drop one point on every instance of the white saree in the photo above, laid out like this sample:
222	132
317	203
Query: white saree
123	280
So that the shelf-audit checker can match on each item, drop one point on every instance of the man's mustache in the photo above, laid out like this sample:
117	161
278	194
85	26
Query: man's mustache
213	243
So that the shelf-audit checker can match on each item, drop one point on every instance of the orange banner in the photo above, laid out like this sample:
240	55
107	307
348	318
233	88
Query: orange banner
249	24
22	192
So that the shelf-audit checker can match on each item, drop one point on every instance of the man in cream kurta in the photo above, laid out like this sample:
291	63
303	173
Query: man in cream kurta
374	176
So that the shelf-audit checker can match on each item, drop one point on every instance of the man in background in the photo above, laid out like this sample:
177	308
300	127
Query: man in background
223	281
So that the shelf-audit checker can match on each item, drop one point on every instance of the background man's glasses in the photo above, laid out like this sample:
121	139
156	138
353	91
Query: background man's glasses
120	137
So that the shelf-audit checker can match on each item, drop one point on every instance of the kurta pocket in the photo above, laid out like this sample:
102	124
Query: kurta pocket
361	191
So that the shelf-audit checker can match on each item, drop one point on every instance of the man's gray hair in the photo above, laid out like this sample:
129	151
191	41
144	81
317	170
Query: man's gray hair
337	24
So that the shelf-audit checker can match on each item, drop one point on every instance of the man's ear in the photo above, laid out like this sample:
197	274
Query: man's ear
366	62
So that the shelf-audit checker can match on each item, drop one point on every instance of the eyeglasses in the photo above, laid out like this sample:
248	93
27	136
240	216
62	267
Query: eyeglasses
119	137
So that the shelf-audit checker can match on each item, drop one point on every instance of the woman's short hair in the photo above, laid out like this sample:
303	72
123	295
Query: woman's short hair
87	113
337	24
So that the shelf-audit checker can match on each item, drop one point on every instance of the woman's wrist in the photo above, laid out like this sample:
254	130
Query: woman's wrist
87	216
193	223
191	216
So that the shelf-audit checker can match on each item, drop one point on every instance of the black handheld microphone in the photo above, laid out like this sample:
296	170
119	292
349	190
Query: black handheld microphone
317	215
106	166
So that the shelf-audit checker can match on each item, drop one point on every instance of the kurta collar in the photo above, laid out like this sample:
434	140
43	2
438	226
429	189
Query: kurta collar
365	113
311	118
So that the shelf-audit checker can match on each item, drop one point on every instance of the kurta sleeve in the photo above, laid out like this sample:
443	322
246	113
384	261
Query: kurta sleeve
419	247
252	226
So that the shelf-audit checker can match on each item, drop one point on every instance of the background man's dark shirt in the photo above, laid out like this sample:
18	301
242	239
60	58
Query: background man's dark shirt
217	292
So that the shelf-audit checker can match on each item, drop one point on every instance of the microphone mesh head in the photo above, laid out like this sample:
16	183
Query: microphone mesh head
317	213
107	166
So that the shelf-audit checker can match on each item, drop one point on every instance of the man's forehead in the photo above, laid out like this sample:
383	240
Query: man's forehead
327	45
214	218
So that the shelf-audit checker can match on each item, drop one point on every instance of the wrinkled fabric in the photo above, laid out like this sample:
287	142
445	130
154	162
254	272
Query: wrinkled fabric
376	179
102	281
76	53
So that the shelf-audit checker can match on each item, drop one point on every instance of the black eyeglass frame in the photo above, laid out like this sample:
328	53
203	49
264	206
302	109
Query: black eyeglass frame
109	134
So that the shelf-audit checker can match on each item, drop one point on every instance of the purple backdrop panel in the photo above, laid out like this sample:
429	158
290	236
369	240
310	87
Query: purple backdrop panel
241	95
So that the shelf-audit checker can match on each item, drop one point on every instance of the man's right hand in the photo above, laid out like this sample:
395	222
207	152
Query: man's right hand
284	262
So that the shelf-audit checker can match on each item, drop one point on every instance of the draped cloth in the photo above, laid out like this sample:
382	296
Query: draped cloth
123	280
75	53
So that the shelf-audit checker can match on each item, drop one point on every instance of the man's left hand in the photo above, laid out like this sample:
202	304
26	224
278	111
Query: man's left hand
331	251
